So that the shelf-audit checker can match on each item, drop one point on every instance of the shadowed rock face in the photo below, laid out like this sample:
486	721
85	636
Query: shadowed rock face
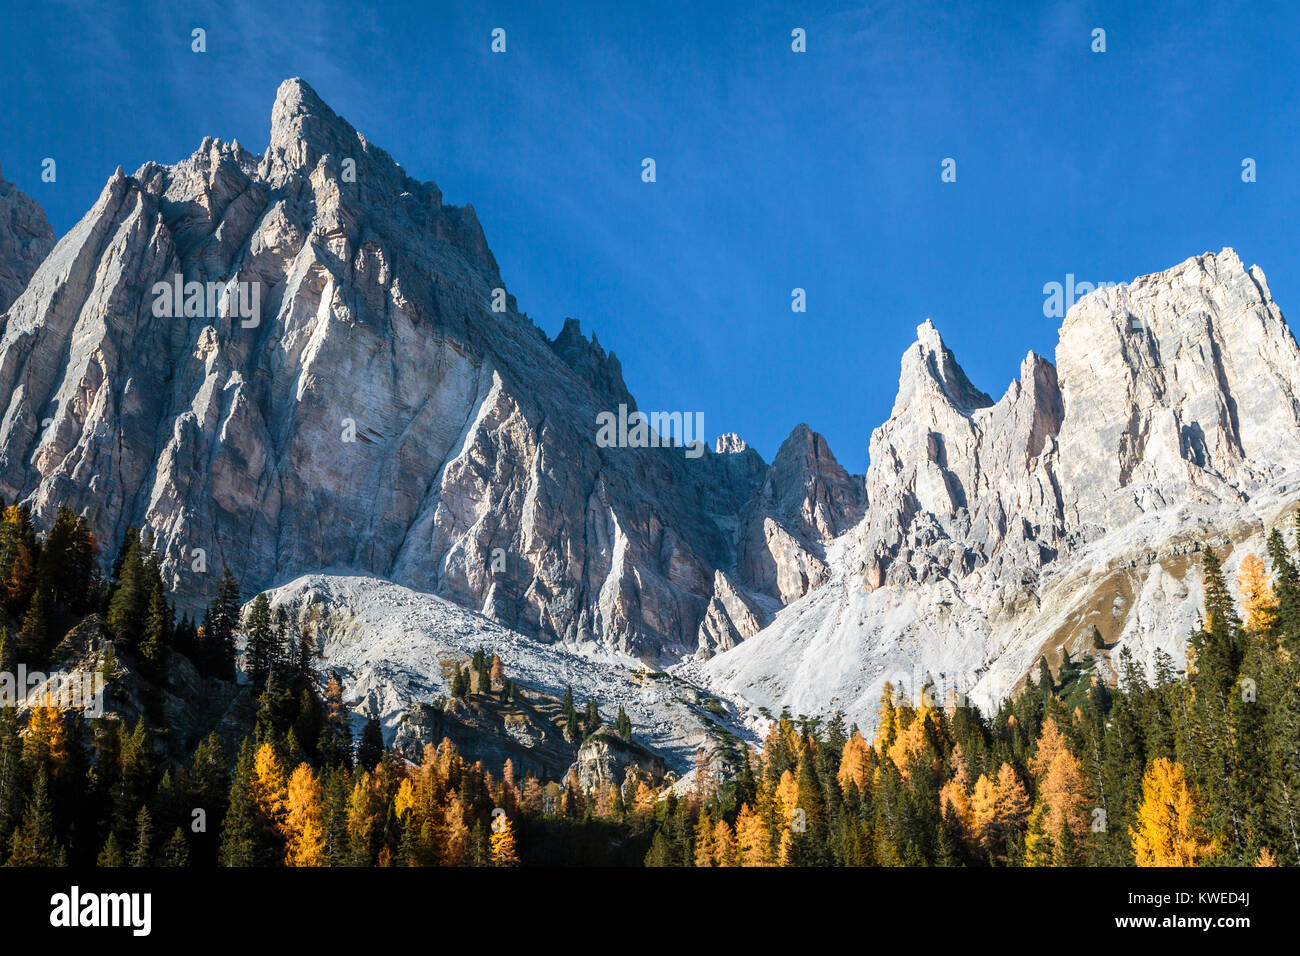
377	416
806	499
26	238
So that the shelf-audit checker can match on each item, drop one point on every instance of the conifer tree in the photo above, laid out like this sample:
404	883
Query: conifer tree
337	791
1257	598
176	852
1287	585
34	843
128	601
1045	683
157	630
239	833
704	846
569	715
33	635
221	624
142	853
305	819
19	556
753	841
111	856
261	637
371	747
13	778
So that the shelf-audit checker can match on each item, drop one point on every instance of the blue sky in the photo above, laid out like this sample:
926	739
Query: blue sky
775	170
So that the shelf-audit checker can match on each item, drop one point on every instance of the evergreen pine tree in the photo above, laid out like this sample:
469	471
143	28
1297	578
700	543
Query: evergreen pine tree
260	655
111	856
142	854
569	714
176	852
34	842
239	831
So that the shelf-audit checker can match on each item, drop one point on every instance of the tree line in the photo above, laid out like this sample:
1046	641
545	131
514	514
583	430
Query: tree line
1152	767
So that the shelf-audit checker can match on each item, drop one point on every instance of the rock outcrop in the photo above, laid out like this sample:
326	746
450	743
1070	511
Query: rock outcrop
605	757
806	500
193	706
487	729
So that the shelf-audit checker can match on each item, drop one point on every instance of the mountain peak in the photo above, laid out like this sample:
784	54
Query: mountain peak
296	95
929	364
304	129
589	359
928	335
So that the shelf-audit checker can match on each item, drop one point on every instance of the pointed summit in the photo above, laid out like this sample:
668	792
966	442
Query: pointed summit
601	370
810	489
303	129
930	365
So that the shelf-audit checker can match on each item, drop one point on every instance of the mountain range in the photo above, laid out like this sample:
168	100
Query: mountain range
397	451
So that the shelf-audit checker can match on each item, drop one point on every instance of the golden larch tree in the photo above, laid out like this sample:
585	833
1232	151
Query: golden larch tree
270	786
753	842
1062	794
854	764
724	845
1168	831
954	792
304	822
503	842
457	835
704	840
1258	602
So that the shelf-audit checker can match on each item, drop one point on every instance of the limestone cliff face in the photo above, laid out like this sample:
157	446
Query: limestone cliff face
805	500
957	481
374	412
1184	384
